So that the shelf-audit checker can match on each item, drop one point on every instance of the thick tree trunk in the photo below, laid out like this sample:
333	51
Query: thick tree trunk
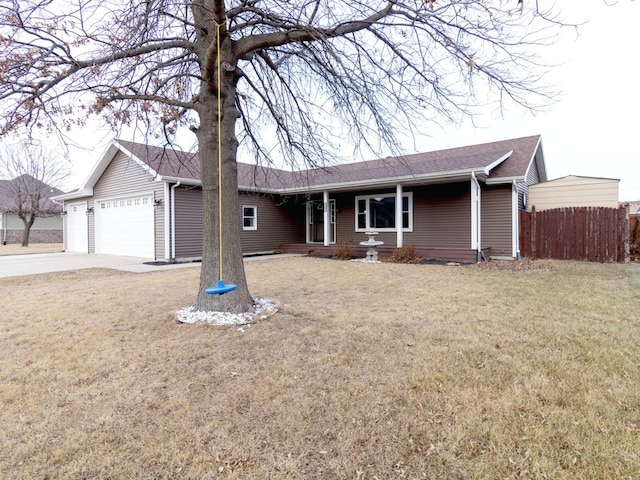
28	223
238	300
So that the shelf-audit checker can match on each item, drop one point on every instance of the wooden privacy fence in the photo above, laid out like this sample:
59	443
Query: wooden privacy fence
634	237
593	234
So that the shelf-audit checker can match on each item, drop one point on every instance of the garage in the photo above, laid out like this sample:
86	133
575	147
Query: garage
77	228
125	226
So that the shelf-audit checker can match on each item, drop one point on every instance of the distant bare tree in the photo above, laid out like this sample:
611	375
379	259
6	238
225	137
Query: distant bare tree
33	175
296	80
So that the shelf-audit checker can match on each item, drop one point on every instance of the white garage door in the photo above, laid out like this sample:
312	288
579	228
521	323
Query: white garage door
77	228
125	226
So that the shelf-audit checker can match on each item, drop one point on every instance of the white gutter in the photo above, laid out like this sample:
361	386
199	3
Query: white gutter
173	219
503	180
327	218
181	180
515	221
390	181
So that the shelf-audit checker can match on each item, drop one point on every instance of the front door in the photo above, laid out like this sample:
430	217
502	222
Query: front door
315	221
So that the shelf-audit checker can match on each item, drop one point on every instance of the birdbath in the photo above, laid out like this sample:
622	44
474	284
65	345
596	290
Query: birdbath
371	244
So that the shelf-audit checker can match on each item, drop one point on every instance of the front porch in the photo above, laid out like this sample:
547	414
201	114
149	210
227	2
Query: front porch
431	253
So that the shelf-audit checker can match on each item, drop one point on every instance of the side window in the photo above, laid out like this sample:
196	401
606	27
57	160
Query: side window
249	217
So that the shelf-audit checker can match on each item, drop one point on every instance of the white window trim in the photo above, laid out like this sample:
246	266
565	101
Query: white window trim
408	195
254	216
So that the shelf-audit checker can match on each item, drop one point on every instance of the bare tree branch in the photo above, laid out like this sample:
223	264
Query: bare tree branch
293	82
33	175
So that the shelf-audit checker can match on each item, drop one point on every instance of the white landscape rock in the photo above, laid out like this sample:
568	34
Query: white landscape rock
262	309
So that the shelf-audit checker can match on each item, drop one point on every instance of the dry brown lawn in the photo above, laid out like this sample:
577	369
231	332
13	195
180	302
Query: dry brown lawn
17	249
366	372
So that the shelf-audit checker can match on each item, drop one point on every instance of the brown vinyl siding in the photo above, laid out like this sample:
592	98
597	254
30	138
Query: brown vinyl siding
125	178
188	228
280	220
346	219
531	178
441	216
497	224
278	223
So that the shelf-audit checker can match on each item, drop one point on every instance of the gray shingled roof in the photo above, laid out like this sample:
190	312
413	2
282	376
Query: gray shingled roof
171	163
7	199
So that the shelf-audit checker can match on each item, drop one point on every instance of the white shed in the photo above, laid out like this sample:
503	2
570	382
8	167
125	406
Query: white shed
574	191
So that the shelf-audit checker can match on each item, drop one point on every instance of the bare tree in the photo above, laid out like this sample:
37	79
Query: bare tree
33	175
302	72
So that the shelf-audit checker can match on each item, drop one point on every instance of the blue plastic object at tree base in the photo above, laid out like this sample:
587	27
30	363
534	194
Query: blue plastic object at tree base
220	288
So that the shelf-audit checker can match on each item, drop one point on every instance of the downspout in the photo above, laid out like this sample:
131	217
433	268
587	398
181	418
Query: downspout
173	220
327	218
4	228
167	222
476	213
515	220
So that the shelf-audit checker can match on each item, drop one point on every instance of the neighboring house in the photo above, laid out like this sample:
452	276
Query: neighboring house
456	204
574	191
46	228
633	208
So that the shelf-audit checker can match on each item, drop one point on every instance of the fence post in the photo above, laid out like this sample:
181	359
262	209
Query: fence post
624	230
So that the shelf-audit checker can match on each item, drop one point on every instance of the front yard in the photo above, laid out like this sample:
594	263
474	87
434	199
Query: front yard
367	371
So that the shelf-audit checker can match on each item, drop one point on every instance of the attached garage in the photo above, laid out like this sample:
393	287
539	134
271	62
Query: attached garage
77	228
125	226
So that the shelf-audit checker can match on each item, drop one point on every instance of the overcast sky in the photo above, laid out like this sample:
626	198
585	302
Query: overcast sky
592	130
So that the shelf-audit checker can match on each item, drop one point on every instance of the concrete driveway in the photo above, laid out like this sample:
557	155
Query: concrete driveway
17	265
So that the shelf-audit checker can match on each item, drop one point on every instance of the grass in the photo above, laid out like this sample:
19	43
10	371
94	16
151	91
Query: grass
17	249
367	371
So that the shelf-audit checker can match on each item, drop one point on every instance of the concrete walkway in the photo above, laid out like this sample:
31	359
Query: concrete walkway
17	265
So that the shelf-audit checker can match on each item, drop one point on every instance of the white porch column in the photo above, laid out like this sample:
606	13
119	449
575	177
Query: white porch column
327	218
399	222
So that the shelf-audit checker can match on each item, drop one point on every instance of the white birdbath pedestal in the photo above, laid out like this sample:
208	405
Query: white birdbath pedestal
371	244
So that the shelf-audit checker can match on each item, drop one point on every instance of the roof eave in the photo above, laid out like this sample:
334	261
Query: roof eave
80	193
540	165
138	160
503	180
182	180
493	165
253	188
440	177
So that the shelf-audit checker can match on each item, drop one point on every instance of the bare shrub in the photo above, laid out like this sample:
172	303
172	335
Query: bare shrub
343	251
405	255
